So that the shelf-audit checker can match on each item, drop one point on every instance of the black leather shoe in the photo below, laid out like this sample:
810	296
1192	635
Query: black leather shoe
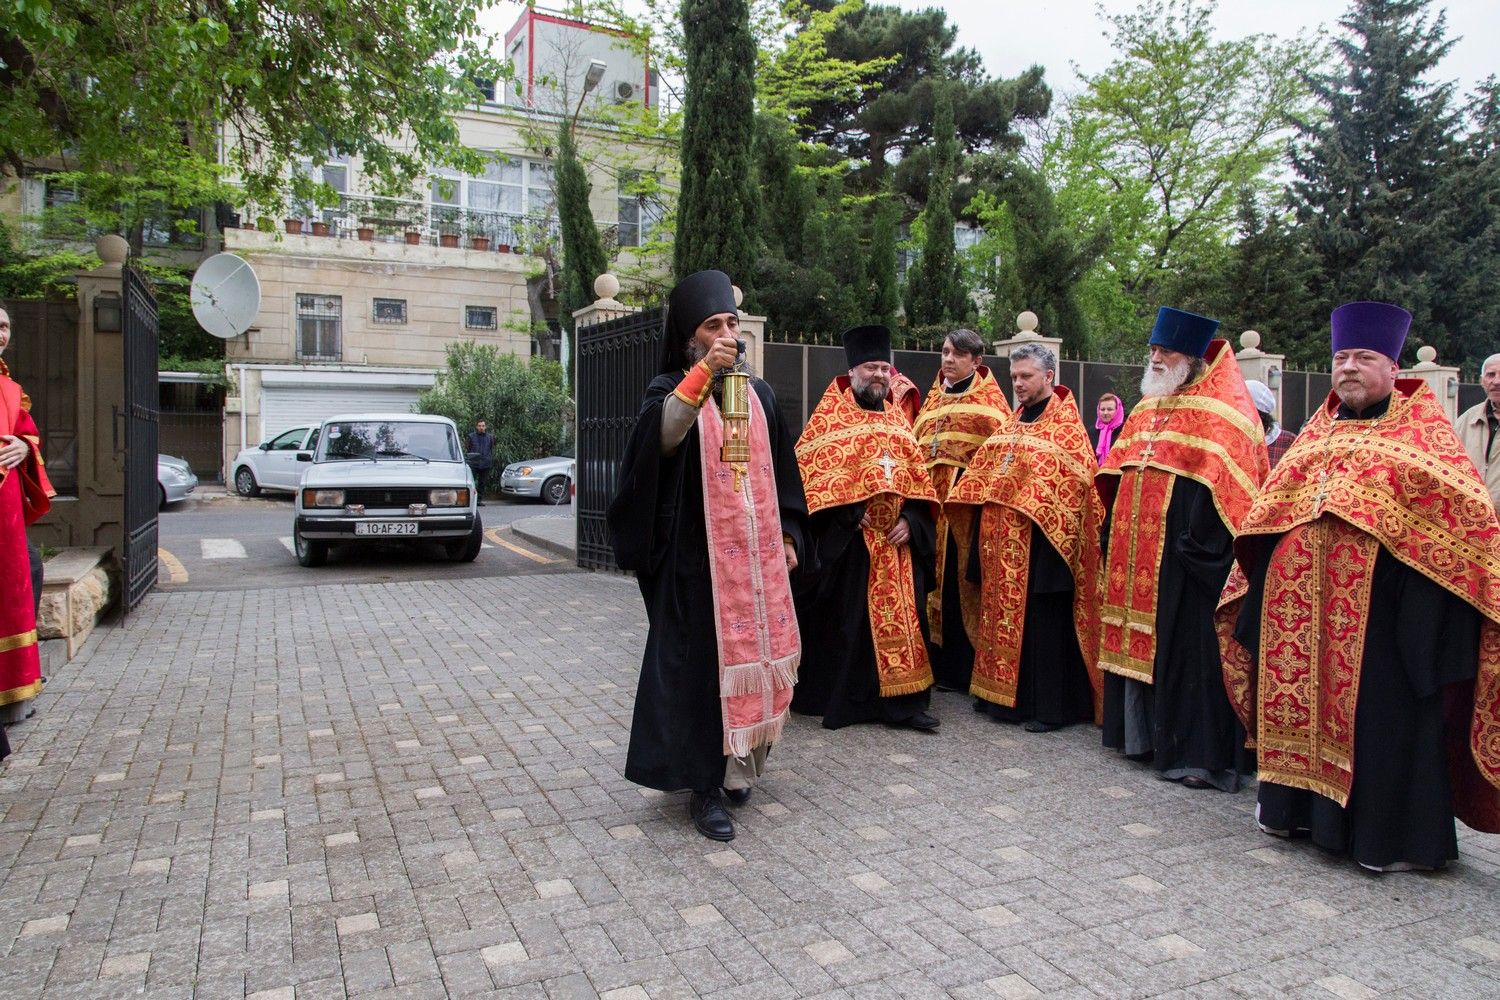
709	816
737	796
921	722
1038	726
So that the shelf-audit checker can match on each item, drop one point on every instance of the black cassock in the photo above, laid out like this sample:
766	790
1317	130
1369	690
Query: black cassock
656	520
838	679
1418	638
1184	718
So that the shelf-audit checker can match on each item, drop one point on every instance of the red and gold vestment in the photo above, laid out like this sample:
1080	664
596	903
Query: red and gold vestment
950	427
25	495
1041	474
848	455
1209	432
1345	490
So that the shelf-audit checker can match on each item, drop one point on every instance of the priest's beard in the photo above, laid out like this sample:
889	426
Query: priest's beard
1163	380
869	393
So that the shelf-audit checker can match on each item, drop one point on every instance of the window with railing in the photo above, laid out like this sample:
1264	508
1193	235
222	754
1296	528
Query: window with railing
511	196
392	311
481	318
320	320
640	210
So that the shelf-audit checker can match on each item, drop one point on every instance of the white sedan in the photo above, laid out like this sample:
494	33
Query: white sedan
272	464
386	477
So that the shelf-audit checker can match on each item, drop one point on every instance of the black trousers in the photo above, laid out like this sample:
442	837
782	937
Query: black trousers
36	576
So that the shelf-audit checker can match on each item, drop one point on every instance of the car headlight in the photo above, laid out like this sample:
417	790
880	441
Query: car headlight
448	498
524	470
322	498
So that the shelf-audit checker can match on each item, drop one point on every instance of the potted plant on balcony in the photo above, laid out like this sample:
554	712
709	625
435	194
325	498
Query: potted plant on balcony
320	228
449	222
477	224
293	226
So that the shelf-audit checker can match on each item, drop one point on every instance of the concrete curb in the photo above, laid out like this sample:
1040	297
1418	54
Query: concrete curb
555	534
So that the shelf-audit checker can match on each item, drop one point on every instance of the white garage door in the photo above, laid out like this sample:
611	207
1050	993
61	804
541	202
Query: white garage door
285	406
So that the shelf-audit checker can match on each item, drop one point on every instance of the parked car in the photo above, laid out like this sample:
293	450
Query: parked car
174	478
545	479
386	477
272	465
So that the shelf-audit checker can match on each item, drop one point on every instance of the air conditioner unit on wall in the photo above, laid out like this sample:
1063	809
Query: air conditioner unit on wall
624	90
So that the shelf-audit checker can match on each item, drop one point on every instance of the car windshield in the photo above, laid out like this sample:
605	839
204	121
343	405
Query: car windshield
388	439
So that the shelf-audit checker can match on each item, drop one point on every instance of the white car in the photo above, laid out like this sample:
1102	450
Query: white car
272	465
386	477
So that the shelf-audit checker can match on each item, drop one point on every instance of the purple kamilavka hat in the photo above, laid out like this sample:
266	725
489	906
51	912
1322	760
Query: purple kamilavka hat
1370	326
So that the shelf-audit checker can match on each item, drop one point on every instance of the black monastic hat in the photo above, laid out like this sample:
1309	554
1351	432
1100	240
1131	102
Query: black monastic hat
867	343
695	299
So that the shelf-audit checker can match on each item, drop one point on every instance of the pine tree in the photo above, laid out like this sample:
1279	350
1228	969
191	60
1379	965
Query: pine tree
1468	300
934	292
1265	283
582	249
716	207
1371	167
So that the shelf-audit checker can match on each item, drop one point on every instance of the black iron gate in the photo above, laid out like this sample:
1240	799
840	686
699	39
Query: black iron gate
616	361
142	493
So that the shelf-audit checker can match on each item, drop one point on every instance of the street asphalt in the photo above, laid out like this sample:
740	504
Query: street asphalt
414	788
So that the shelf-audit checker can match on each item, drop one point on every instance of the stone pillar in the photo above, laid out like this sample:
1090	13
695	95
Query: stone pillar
605	307
753	333
1026	334
1257	364
97	516
1442	379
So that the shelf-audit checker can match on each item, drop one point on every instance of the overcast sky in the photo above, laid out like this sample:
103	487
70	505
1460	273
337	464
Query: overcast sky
1055	33
1011	36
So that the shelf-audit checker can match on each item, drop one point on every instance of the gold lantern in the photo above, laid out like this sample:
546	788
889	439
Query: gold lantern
736	413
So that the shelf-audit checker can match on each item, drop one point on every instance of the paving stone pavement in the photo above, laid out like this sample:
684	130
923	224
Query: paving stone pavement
415	790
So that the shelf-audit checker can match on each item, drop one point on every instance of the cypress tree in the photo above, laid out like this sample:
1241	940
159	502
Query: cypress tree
884	284
716	208
582	249
1371	167
935	294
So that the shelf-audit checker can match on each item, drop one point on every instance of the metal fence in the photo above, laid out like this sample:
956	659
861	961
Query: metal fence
799	373
616	361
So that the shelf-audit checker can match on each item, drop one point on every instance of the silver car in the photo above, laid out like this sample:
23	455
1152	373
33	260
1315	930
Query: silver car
545	479
272	464
175	479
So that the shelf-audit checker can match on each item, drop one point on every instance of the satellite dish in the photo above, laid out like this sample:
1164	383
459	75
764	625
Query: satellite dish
225	295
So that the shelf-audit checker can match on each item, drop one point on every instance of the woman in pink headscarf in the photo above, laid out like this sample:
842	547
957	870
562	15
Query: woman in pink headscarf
1109	417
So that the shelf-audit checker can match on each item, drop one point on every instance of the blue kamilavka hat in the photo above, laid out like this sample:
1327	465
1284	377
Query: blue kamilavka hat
1183	332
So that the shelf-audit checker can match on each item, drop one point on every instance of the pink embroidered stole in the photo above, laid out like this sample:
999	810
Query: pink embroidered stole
759	645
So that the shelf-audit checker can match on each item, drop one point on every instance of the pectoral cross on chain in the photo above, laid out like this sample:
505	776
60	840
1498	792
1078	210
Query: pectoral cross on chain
889	465
1005	464
1322	496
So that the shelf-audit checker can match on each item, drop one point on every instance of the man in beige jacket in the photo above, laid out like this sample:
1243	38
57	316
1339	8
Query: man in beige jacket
1479	428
